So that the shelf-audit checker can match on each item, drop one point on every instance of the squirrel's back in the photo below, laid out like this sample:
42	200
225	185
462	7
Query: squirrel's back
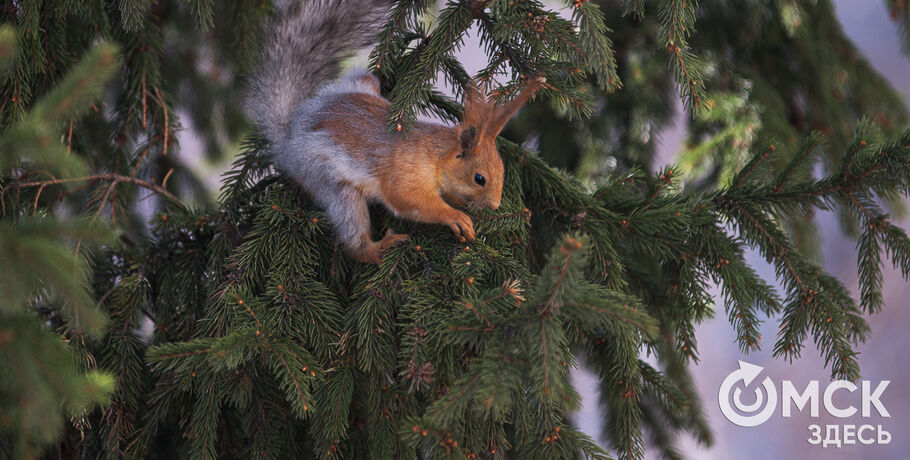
306	42
332	139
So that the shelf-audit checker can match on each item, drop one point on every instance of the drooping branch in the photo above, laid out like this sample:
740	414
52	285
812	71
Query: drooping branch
114	178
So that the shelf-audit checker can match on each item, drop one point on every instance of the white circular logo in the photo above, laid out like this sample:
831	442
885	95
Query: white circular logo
748	414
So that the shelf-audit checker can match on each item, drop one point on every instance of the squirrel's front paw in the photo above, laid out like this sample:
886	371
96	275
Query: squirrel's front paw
462	226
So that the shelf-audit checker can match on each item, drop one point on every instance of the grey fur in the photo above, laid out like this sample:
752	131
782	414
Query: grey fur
320	165
291	92
306	42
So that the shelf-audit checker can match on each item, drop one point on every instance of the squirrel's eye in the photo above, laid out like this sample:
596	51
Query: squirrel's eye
481	181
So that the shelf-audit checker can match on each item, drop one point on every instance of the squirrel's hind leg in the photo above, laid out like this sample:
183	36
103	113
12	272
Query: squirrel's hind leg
349	215
391	239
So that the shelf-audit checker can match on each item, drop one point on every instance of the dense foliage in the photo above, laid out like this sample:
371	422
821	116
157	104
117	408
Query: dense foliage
191	327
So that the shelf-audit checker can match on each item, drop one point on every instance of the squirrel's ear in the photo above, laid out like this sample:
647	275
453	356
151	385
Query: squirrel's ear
477	109
468	137
473	98
503	113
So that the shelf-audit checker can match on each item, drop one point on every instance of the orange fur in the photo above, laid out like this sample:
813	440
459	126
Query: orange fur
429	171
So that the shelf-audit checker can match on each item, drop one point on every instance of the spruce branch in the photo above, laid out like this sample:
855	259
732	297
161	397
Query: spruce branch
453	21
593	34
803	154
753	164
677	18
114	178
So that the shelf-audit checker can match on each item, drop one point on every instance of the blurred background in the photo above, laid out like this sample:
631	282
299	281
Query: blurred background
884	356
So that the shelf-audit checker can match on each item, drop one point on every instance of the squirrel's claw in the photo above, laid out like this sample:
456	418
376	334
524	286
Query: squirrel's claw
389	241
462	226
392	239
372	251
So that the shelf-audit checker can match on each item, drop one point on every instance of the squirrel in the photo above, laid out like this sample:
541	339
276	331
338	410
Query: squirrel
331	137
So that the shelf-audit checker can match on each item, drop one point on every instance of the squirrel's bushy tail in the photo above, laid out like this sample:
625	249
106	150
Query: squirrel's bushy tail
306	41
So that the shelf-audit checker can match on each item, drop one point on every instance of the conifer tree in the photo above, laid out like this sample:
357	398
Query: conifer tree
42	281
236	327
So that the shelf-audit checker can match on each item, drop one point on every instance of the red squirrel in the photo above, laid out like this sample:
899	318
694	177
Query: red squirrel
334	142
